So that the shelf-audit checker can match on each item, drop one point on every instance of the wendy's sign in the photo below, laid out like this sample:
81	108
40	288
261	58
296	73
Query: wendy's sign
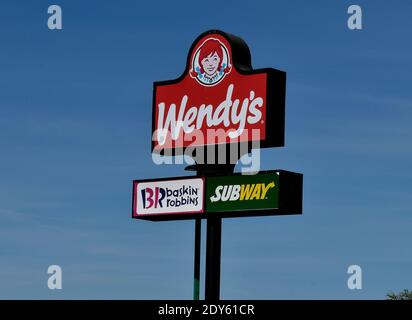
219	100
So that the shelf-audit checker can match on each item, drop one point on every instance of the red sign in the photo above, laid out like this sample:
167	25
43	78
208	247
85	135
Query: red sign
219	99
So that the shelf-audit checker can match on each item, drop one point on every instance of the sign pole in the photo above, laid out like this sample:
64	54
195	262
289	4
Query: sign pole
196	281
213	253
213	236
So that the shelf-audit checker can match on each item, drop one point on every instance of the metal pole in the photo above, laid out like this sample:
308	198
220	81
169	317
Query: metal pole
213	252
214	236
196	282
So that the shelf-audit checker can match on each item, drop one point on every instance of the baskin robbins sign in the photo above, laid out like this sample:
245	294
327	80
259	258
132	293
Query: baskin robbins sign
168	197
218	100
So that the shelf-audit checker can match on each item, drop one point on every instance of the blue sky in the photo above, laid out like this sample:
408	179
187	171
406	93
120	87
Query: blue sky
75	129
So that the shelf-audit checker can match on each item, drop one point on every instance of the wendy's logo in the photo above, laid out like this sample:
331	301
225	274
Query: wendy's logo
218	101
210	63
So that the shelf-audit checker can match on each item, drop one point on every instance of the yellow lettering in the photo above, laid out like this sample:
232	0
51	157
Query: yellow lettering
245	191
256	192
266	188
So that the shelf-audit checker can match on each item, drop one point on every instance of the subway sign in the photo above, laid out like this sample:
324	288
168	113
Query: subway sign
276	192
219	99
243	192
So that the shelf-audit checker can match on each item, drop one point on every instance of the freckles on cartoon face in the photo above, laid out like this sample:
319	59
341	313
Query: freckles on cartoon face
211	63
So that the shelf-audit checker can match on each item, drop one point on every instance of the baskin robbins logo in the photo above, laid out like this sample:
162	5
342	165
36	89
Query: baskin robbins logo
210	63
171	196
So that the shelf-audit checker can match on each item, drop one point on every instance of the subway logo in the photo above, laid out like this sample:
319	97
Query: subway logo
242	192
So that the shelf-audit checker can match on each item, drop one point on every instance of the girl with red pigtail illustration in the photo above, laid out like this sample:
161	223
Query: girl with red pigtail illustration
210	63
